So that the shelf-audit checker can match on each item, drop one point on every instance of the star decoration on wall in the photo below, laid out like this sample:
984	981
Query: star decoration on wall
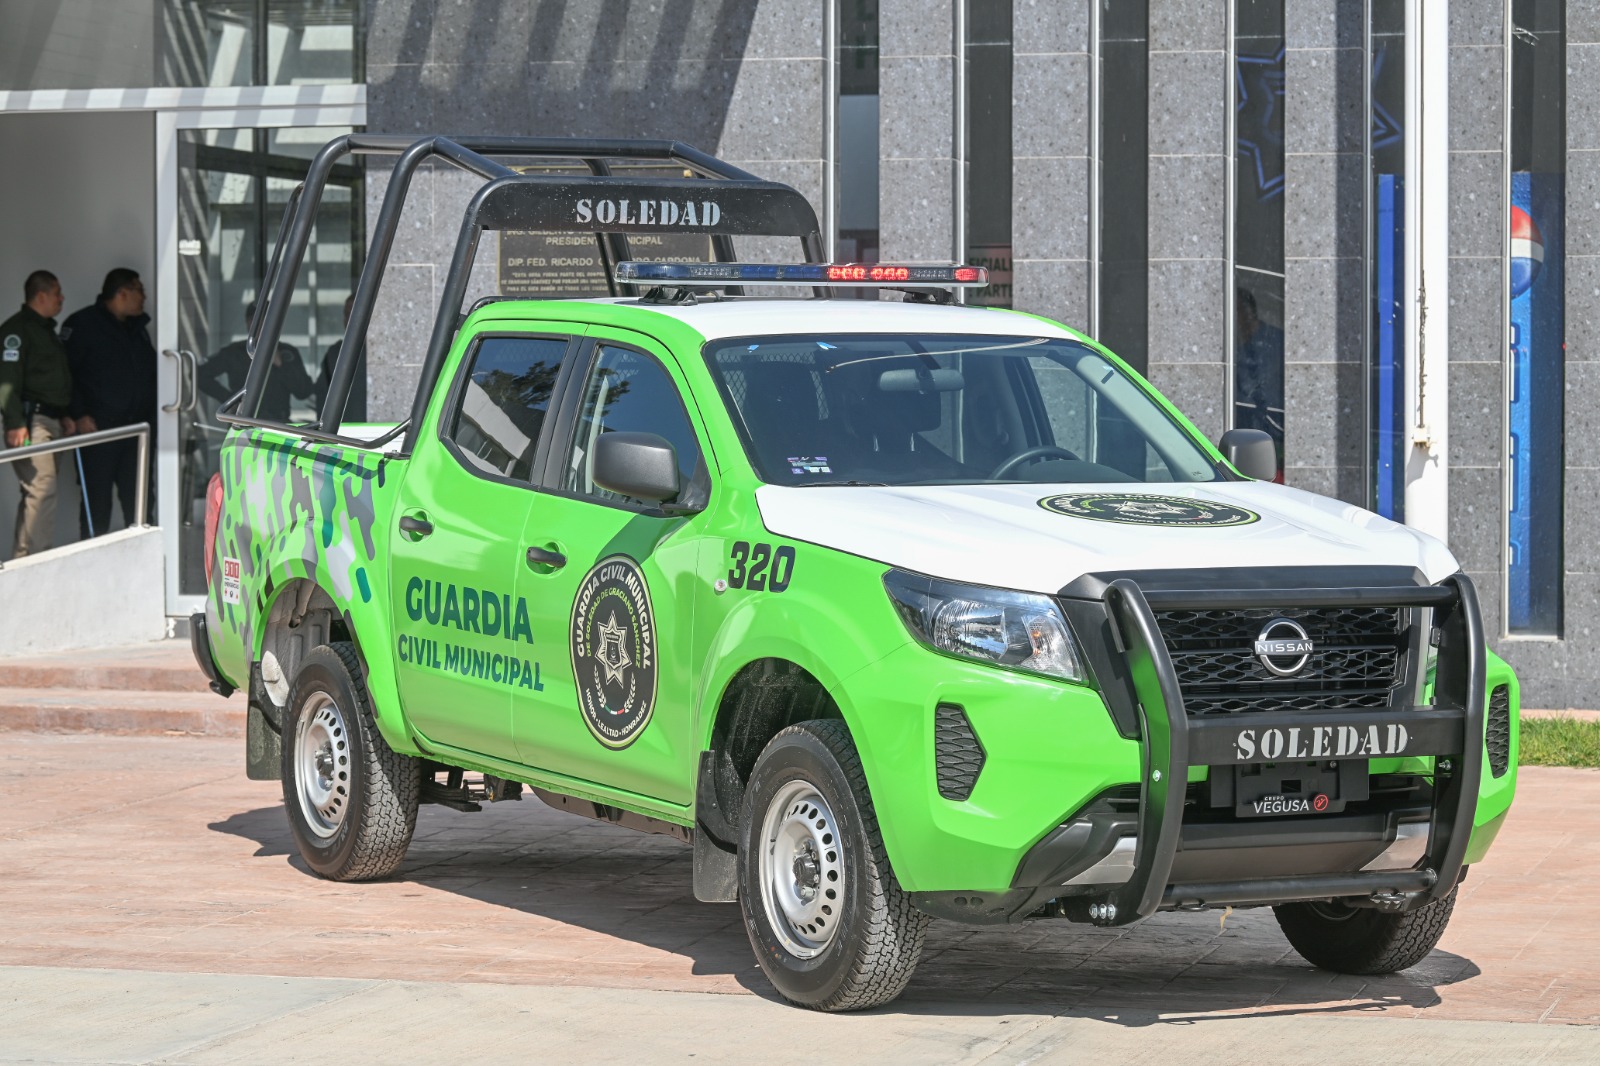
1259	122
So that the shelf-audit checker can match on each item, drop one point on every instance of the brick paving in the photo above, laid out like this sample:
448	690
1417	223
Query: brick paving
155	853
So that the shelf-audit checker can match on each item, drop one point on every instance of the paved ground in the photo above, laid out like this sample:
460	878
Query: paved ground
155	854
112	1016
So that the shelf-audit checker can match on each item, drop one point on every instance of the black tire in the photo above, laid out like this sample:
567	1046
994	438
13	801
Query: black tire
361	832
866	956
1361	940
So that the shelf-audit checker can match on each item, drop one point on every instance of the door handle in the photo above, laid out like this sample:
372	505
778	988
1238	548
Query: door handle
193	362
175	405
546	557
417	527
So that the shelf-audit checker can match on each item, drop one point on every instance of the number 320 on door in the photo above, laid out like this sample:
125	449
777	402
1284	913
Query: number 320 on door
759	568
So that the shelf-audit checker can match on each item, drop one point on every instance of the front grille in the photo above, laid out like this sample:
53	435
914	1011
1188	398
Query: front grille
1358	661
1497	731
1199	705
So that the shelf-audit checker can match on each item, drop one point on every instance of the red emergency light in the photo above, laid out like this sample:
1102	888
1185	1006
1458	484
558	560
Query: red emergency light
711	275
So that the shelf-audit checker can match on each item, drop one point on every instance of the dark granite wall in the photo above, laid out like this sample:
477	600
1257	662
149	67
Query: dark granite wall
745	80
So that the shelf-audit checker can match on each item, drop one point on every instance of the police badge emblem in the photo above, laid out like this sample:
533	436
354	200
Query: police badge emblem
1148	510
613	638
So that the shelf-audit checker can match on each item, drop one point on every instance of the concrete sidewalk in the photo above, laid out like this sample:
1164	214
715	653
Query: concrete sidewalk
108	1016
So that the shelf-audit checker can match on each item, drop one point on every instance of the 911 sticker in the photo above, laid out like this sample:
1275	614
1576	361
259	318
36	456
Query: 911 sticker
230	581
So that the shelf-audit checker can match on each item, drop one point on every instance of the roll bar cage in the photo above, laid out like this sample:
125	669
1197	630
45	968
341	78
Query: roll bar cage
745	205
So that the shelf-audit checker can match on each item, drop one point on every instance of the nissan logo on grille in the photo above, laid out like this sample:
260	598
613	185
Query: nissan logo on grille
1284	647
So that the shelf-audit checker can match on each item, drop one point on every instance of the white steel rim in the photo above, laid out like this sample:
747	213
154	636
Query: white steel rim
322	765
802	875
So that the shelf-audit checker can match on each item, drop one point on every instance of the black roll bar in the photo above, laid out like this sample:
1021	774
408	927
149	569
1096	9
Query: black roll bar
508	200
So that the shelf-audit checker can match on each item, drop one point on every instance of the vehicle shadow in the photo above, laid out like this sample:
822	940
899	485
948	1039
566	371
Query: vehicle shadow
1174	968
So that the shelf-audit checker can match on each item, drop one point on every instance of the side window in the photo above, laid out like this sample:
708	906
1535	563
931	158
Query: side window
503	402
628	391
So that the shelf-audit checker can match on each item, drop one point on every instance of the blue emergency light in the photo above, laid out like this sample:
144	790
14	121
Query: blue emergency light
710	275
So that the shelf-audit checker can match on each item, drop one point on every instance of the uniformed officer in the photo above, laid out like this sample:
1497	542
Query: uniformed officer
113	384
35	398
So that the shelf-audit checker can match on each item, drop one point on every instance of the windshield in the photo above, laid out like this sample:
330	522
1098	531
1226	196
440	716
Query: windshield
928	409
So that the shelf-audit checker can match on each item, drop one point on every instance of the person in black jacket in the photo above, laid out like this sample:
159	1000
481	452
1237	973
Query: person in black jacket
113	384
355	405
223	375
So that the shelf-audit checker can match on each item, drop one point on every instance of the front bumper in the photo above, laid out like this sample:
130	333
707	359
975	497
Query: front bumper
1117	862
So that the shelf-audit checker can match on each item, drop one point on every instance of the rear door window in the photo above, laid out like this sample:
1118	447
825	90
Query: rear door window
499	409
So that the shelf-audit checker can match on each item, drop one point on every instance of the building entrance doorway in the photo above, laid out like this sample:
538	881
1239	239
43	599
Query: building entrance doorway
187	187
232	187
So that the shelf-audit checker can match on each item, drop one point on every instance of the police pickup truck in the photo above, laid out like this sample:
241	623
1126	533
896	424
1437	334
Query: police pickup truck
891	610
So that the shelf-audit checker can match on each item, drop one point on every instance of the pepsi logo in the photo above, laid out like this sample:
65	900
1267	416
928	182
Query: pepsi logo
1527	251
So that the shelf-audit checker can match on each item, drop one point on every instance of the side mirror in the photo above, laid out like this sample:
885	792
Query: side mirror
1252	453
641	465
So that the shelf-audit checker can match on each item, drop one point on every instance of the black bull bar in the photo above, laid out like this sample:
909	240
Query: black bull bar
1451	726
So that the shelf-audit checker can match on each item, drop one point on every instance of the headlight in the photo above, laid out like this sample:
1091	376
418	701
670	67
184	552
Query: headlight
1016	629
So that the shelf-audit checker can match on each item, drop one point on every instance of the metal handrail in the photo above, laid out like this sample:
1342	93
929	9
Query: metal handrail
99	436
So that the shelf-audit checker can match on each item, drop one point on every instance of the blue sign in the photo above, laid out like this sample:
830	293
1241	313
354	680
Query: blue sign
1535	564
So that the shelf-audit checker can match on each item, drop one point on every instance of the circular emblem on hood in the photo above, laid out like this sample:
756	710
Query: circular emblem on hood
1148	510
614	651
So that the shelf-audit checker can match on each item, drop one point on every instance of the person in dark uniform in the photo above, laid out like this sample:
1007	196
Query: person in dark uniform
35	399
223	375
355	404
113	384
1258	373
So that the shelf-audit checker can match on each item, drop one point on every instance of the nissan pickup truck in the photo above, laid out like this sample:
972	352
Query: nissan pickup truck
892	610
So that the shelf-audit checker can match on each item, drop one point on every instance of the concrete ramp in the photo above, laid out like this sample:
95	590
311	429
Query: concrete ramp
93	594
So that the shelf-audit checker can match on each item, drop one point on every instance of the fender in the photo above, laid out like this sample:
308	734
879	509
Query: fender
371	632
807	627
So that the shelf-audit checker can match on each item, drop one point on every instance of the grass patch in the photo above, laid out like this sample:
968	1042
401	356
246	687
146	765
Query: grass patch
1560	742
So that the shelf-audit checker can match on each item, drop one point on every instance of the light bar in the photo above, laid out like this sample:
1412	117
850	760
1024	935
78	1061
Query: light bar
713	275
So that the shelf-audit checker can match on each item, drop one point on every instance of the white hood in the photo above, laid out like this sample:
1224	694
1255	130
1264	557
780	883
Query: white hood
999	535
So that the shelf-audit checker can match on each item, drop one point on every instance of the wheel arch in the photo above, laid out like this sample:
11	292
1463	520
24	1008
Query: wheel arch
776	661
761	698
302	614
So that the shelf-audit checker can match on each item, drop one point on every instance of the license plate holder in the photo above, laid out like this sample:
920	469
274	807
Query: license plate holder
1267	790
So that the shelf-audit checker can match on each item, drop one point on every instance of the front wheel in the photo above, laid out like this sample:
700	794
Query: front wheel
830	925
1361	940
352	801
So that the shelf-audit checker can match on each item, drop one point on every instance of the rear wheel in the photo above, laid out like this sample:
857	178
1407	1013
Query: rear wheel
1360	940
829	923
352	801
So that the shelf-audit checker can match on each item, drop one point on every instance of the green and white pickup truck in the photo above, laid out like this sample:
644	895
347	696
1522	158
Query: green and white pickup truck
892	611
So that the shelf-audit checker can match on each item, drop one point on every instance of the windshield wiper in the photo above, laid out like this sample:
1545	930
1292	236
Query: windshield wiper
835	484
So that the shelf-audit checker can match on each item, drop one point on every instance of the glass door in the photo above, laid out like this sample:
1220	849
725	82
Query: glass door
232	187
